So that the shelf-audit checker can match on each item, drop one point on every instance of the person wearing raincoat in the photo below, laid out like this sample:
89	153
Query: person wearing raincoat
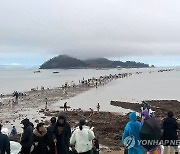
145	116
132	130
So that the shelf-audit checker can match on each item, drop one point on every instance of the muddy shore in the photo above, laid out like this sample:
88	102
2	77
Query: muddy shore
108	127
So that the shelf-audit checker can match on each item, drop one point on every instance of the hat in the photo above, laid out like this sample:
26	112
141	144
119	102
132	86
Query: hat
25	121
5	131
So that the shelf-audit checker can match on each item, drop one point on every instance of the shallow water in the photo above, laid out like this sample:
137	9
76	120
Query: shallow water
138	87
146	86
25	79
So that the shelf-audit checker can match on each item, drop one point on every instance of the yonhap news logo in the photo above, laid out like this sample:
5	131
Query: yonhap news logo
129	141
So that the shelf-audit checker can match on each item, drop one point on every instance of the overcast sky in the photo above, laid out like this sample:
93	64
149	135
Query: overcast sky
32	31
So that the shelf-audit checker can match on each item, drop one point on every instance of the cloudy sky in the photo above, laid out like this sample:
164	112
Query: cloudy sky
32	31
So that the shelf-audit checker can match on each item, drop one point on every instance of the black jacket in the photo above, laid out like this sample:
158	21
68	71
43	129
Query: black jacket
4	144
27	136
50	135
42	140
63	134
170	128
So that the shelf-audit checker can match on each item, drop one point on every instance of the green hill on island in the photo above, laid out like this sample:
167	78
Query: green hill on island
64	61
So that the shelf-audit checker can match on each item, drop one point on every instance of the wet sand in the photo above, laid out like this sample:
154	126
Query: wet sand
108	127
161	107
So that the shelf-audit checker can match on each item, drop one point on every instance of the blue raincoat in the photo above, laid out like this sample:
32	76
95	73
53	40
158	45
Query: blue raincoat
133	129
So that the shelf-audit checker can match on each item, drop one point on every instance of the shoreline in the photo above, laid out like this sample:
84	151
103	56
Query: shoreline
32	102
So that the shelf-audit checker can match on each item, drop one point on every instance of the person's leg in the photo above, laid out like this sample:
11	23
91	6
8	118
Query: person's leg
166	149
171	150
52	148
25	150
176	149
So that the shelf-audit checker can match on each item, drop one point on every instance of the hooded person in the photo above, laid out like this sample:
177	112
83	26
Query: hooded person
170	135
62	135
50	132
132	131
4	143
40	140
82	138
27	136
145	115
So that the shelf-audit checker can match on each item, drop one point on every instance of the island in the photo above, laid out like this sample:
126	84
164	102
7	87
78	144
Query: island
67	62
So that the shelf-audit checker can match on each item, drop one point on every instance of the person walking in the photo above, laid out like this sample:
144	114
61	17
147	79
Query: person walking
16	95
13	135
82	138
145	116
62	135
170	137
50	133
4	143
91	112
40	140
132	131
98	108
46	103
27	136
13	131
65	106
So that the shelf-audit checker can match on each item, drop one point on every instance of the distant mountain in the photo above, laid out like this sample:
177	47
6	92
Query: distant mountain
64	61
98	62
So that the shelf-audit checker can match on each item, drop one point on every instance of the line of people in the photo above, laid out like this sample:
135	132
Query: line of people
58	138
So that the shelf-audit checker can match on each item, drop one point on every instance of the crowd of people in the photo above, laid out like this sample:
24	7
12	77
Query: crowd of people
85	83
102	80
58	138
165	144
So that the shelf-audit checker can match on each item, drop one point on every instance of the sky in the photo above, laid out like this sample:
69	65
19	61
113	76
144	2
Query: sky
33	31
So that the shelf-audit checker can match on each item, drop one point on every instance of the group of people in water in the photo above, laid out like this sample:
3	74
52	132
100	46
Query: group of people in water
168	142
102	80
85	83
91	82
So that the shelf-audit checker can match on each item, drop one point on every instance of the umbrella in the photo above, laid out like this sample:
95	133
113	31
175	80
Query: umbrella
149	133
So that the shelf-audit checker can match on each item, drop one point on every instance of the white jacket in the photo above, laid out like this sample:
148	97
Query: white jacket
82	139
